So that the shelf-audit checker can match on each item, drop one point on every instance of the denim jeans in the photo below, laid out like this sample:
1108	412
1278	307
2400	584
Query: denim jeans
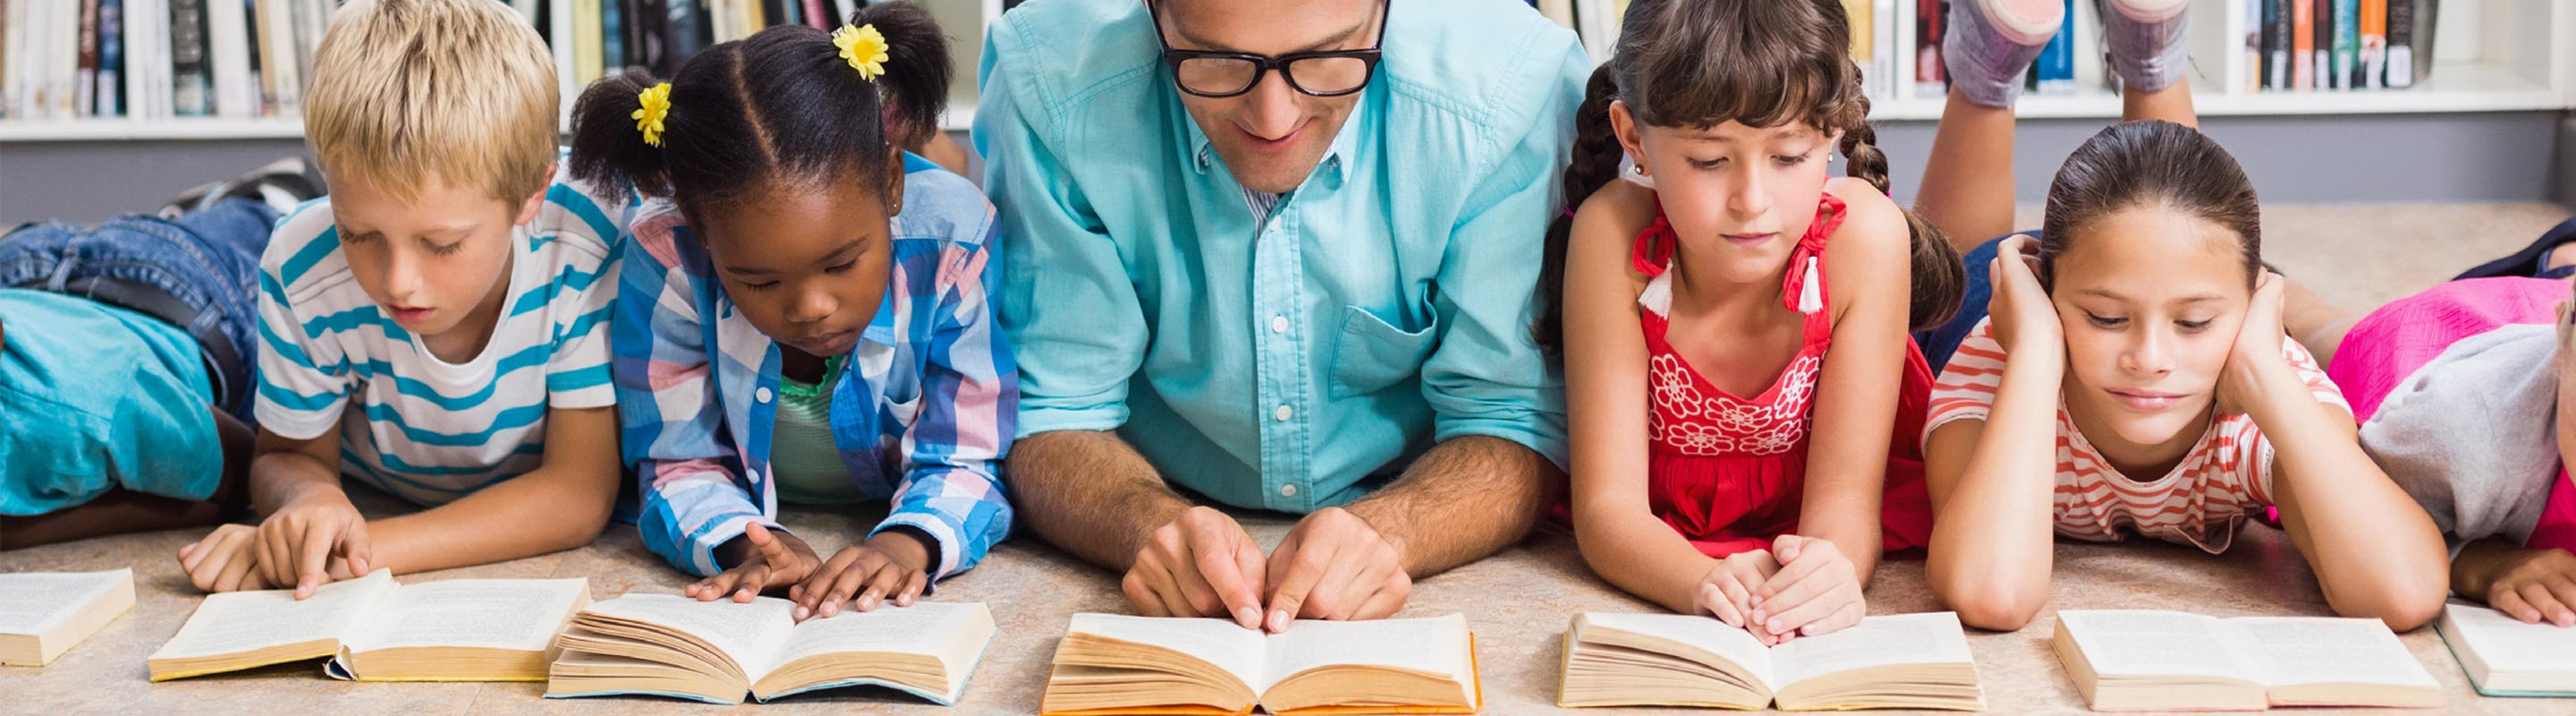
1940	343
199	272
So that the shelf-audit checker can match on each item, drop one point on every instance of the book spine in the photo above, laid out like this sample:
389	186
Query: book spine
263	96
2056	66
192	87
612	35
283	59
111	59
1928	77
1884	54
228	59
135	40
681	37
2347	43
821	18
13	44
2428	14
2322	45
2374	44
85	74
62	101
2400	72
1856	23
2252	79
2276	44
586	50
2303	40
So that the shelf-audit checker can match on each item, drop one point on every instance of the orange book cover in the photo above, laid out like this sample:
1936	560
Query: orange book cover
1475	668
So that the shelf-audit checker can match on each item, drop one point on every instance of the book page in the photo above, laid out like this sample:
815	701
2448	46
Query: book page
1934	638
1732	643
516	614
31	602
2510	645
2154	643
1222	642
750	634
925	628
238	622
1437	645
2314	650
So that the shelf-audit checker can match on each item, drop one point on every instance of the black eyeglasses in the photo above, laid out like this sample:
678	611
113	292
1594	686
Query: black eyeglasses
1226	74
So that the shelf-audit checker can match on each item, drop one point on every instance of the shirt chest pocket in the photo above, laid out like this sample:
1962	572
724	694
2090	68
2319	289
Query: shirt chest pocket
1371	354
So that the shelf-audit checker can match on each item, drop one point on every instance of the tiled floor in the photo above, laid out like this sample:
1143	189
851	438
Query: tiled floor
1517	602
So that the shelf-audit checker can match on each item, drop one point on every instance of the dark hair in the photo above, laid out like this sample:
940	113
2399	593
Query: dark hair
779	106
1699	64
2149	163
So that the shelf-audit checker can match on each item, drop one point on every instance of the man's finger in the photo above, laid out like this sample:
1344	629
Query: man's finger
1221	571
1147	603
1298	574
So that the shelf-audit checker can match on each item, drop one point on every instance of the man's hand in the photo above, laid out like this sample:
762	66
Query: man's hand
1334	565
1201	564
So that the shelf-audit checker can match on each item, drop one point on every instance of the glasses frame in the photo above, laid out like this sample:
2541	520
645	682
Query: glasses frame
1263	65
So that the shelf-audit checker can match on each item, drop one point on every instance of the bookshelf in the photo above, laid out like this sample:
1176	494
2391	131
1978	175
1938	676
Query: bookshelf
2490	56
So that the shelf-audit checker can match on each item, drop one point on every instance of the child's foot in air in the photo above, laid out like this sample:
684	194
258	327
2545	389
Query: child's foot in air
2146	42
1992	42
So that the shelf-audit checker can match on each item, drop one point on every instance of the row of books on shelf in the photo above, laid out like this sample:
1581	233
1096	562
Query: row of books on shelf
377	629
2308	45
240	59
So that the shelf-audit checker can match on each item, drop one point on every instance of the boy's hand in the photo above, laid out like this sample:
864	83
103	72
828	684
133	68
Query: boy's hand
771	560
2536	585
227	560
297	543
1726	592
1816	591
889	566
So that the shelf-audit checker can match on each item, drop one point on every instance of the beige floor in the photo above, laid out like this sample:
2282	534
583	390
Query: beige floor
1518	602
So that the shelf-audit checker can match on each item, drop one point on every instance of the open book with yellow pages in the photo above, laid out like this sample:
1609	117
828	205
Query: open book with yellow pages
1111	664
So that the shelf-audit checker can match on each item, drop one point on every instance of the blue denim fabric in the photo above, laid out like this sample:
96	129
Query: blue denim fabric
207	260
1939	343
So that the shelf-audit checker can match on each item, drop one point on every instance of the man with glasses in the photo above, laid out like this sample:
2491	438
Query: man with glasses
1278	254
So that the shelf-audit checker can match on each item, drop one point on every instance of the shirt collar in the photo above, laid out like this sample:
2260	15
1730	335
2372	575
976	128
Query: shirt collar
1203	156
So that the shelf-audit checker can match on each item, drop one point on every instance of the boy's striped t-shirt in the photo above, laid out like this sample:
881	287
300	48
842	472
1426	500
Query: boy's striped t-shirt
2223	480
423	428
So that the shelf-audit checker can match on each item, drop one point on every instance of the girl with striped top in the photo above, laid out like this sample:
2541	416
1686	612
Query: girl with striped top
2133	377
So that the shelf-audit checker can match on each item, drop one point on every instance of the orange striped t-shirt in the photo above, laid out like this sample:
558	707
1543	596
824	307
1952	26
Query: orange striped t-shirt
2224	479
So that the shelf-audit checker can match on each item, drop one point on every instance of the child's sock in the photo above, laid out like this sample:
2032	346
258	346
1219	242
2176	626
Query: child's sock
1992	42
281	185
2147	42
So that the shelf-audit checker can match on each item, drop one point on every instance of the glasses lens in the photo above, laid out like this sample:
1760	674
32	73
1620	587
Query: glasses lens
1216	75
1329	75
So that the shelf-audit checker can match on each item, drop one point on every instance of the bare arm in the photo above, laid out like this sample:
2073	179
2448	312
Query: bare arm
1855	414
1992	480
2376	553
1464	499
1090	494
1605	400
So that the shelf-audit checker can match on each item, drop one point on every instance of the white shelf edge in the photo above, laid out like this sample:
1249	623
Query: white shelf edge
954	119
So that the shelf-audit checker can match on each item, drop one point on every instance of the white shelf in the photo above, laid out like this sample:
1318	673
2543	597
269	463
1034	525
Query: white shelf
2452	88
114	129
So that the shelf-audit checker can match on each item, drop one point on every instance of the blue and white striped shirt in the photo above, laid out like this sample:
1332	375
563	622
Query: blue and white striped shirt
410	423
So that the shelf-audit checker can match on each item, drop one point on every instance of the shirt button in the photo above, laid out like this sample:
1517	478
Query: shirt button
1279	324
761	395
1287	490
1283	413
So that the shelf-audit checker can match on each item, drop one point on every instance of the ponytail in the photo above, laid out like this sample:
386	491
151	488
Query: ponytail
781	108
914	88
1595	164
1940	281
607	151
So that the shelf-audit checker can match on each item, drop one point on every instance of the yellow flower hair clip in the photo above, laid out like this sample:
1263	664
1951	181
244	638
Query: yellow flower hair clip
657	105
864	47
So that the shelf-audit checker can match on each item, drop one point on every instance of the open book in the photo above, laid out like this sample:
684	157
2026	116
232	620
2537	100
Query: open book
2148	660
671	645
42	614
1911	661
2505	657
1127	665
381	630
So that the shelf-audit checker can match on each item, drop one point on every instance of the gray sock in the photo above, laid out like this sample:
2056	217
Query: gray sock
2147	56
1982	62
